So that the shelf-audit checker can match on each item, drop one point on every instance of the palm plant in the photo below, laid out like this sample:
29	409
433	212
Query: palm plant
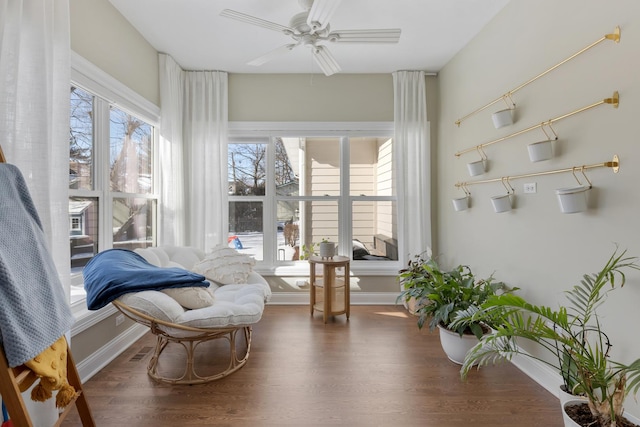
573	334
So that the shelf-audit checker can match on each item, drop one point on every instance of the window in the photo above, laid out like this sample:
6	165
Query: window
112	196
287	193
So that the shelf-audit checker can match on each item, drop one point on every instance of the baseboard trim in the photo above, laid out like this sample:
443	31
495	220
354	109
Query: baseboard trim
90	366
357	298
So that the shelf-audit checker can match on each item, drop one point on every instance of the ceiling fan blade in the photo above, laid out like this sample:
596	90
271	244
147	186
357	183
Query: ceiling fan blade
320	13
325	60
390	35
243	17
271	55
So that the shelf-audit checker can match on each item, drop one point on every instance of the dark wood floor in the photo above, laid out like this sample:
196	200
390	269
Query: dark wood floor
377	369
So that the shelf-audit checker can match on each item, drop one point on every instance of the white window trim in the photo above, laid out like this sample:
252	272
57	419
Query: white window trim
325	129
91	78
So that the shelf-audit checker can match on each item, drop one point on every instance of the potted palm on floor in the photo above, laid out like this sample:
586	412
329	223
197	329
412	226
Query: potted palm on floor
575	329
440	294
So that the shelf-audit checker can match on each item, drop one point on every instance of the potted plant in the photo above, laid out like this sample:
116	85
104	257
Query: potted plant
573	334
439	295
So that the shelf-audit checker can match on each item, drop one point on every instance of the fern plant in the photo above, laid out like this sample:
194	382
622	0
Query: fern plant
573	334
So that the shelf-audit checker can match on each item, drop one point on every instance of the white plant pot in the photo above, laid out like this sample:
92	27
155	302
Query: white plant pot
476	168
501	203
456	346
541	150
327	249
568	422
565	396
502	118
573	199
461	204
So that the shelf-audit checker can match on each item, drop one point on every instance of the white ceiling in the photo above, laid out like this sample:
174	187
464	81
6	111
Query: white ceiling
198	38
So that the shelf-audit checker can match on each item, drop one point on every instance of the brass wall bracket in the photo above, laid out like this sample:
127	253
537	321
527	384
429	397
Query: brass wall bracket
613	101
615	36
614	164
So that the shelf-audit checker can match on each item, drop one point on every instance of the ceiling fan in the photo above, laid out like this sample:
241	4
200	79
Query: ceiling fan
311	28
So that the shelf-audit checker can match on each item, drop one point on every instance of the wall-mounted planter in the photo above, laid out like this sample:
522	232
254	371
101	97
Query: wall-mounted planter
461	204
541	150
501	203
573	199
476	168
502	118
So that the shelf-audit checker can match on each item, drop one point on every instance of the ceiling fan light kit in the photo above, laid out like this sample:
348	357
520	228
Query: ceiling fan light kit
310	28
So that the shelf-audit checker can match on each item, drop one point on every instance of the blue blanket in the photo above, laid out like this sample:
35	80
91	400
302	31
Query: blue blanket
115	272
34	308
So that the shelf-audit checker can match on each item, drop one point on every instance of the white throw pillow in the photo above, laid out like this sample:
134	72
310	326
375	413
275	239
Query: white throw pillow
225	265
191	297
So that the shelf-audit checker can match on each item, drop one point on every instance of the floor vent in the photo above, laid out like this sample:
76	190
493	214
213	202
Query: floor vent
141	354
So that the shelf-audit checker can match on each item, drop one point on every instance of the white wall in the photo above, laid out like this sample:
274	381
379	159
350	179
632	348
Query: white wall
100	34
536	247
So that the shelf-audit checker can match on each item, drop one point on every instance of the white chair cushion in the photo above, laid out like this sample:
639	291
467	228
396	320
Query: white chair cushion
235	305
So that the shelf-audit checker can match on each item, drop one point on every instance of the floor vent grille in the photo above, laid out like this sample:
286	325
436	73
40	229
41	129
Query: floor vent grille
141	354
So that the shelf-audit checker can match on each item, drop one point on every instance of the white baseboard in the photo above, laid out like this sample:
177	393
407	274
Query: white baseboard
357	298
90	366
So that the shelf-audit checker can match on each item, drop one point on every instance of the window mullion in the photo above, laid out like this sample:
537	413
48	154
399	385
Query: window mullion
344	204
101	171
269	206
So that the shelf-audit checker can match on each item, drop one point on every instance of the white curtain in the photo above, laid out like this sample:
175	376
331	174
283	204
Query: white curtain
194	133
34	110
412	147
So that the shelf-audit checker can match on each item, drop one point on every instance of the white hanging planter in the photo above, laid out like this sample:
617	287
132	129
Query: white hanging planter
501	203
502	118
573	199
476	168
541	150
461	204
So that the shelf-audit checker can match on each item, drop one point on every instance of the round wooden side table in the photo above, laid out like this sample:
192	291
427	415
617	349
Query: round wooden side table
329	292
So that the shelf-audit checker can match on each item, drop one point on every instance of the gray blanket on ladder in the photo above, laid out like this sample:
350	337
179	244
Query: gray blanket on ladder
34	310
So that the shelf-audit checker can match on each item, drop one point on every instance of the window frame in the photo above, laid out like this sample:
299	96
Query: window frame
108	92
269	131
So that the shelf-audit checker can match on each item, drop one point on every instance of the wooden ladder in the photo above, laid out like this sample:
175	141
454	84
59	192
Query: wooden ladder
12	378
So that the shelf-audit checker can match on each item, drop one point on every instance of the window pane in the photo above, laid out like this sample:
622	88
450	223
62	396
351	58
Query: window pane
247	169
287	173
322	174
375	230
371	171
131	157
302	225
80	139
83	238
246	232
133	223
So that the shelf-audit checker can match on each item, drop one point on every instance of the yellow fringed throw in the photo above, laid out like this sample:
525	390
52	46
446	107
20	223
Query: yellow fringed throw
50	367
